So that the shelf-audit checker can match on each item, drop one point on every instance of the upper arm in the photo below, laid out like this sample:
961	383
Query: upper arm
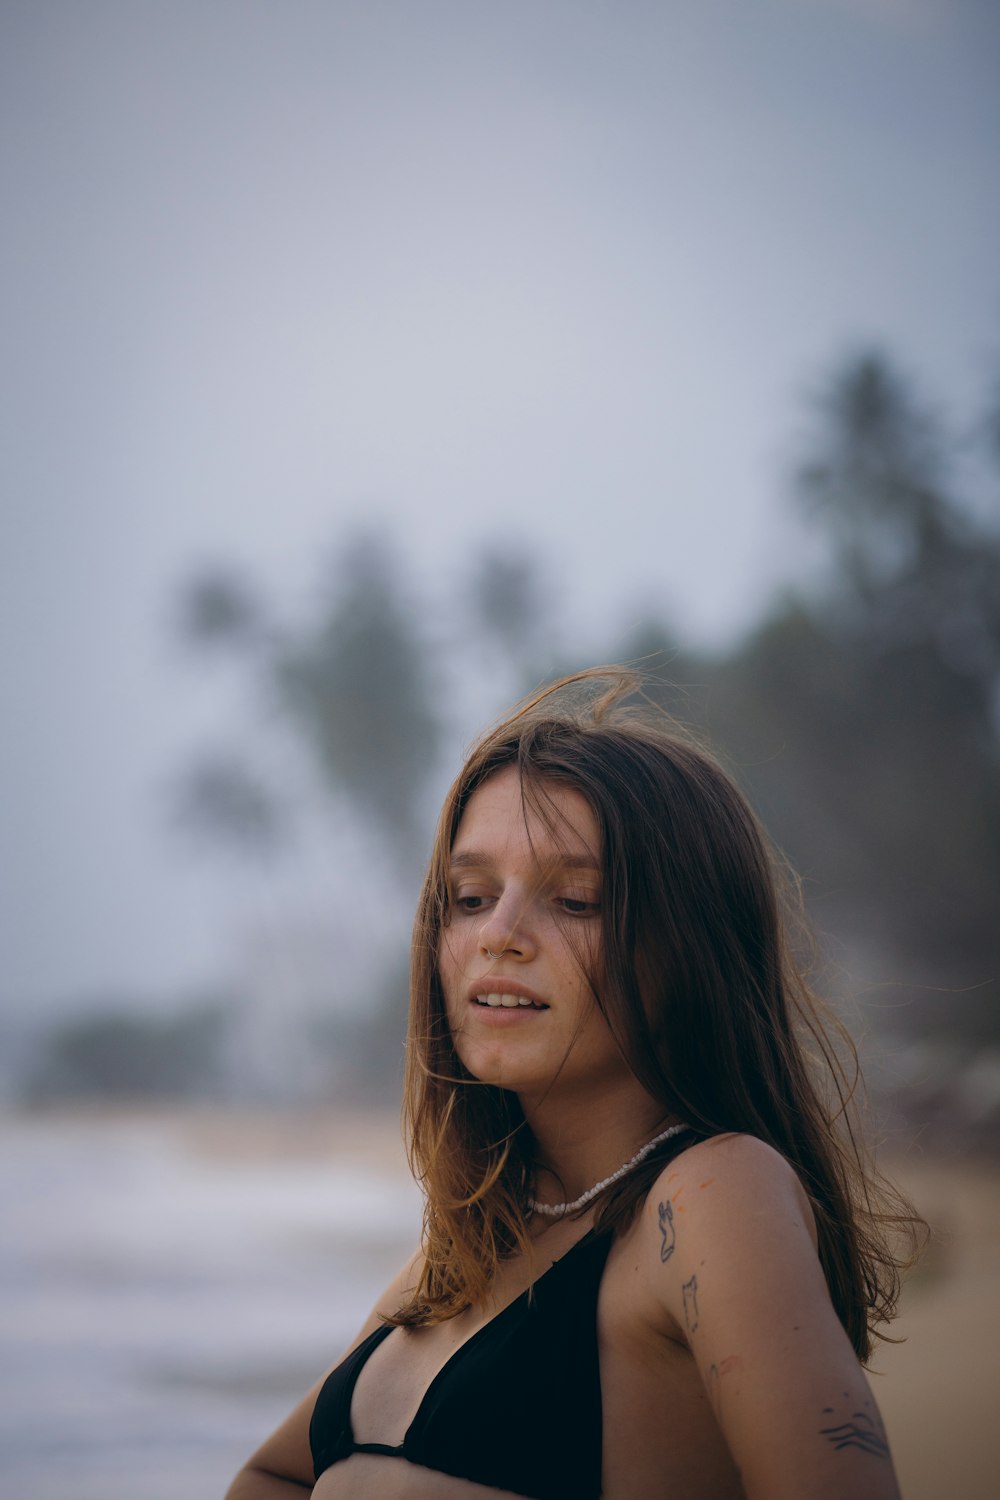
730	1264
286	1454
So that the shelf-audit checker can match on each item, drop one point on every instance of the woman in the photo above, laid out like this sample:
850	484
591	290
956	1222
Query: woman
651	1260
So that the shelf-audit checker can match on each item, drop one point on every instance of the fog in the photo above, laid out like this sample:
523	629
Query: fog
559	276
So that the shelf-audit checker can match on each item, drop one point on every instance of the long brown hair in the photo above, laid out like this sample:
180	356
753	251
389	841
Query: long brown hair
698	984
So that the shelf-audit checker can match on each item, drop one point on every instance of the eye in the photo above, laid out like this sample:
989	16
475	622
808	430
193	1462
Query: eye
577	906
470	902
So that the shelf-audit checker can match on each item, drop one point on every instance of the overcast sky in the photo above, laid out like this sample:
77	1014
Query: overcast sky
552	272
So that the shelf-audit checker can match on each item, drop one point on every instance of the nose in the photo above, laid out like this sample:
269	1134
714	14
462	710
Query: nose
507	929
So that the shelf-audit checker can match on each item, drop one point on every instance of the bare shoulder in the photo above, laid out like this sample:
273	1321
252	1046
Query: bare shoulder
402	1285
729	1209
725	1180
724	1261
733	1158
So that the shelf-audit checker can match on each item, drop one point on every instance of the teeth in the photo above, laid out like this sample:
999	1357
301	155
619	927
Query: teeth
508	1002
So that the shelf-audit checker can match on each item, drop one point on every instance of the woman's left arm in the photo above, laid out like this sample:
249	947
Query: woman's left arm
729	1265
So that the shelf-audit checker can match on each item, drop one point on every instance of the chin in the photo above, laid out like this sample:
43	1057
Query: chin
501	1070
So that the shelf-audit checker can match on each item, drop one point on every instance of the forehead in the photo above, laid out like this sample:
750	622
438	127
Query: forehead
547	819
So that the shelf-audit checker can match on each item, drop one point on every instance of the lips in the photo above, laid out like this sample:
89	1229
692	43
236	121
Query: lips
494	993
495	1001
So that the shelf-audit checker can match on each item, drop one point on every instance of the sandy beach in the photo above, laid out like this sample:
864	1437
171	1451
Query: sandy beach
938	1387
218	1261
939	1390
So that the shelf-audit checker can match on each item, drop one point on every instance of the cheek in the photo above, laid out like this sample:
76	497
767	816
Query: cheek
451	970
448	957
581	967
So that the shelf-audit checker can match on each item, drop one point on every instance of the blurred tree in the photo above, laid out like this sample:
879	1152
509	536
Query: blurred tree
865	720
115	1053
508	600
504	638
873	476
358	686
912	566
352	686
219	607
507	596
221	801
355	688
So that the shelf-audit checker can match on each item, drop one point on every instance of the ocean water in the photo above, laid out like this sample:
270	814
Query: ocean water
163	1307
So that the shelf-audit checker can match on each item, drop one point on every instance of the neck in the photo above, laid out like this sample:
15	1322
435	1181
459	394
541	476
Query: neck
580	1141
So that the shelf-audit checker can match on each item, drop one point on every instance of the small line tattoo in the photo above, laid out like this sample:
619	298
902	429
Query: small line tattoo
667	1230
690	1290
860	1431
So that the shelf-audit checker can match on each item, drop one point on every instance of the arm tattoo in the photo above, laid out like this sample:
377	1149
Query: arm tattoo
860	1430
690	1290
667	1230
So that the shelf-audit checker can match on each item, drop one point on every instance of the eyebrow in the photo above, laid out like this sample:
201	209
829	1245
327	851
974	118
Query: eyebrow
479	859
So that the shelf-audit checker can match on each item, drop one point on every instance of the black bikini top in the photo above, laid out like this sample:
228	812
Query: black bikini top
517	1406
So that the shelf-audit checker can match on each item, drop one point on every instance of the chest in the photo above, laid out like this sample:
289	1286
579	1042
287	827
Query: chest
572	1378
531	1336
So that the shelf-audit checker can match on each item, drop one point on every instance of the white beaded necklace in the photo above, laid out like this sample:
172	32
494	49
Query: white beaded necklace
556	1210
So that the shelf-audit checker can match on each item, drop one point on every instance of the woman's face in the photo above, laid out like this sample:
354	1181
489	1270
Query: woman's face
527	888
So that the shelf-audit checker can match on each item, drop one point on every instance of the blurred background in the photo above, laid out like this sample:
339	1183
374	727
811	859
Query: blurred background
367	364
